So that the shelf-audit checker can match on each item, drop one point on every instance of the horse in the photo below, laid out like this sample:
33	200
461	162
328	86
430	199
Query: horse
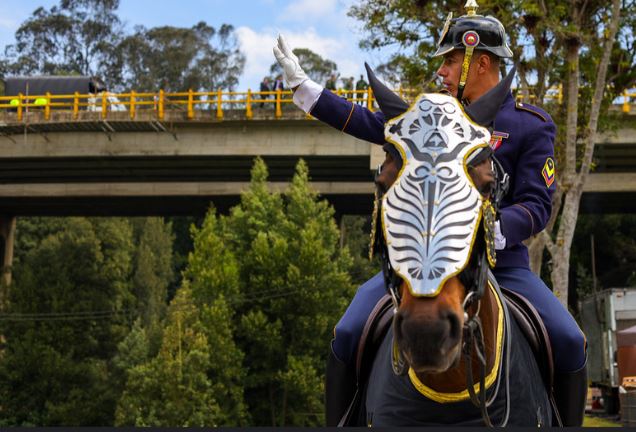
443	347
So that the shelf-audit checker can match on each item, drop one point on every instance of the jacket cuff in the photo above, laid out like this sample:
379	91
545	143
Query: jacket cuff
517	224
307	94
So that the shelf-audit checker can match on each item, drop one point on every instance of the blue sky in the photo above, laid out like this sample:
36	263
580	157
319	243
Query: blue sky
320	25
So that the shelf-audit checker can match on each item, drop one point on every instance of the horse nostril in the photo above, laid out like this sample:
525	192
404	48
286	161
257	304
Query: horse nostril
454	329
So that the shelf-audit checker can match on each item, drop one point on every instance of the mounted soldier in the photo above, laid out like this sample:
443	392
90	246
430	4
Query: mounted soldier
522	140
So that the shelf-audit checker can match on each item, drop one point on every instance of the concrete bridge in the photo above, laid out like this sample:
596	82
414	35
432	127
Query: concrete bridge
84	164
119	166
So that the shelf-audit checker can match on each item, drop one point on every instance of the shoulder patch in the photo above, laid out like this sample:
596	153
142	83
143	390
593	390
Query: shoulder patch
548	172
531	109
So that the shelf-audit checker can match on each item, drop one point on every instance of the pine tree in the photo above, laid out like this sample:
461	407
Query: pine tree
295	286
181	385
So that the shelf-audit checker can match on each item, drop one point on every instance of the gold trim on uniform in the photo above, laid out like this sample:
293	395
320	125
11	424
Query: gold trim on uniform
348	118
522	106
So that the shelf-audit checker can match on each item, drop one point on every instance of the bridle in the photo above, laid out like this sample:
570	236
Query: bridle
474	278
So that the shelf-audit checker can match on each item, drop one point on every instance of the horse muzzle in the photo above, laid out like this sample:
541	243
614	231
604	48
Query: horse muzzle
429	345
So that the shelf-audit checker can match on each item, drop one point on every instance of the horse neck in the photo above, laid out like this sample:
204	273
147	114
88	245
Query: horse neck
454	379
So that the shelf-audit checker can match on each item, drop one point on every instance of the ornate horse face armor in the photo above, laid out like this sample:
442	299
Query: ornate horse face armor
431	213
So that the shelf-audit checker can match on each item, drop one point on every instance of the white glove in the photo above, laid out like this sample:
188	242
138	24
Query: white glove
500	240
293	73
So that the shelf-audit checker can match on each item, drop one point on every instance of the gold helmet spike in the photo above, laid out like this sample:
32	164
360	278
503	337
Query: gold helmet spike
471	7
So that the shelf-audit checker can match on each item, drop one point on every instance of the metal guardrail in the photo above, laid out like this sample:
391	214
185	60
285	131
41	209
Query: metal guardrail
215	101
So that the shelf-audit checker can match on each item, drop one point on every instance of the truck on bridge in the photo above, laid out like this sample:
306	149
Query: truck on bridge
39	87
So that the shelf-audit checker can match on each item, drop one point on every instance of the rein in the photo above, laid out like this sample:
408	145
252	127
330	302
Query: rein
473	338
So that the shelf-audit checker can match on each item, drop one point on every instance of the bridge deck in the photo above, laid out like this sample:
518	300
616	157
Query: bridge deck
83	164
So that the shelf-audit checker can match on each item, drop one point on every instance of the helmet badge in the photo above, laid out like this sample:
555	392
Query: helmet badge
470	39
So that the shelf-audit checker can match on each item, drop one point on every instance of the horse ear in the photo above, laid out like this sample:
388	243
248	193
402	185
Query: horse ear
484	110
390	104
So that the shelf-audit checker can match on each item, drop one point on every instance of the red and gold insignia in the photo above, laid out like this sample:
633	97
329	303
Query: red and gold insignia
470	38
548	172
496	138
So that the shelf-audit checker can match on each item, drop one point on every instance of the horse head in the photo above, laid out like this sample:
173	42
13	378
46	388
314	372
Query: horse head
435	218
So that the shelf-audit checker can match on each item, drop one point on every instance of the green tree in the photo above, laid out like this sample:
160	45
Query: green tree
179	59
74	37
178	387
614	238
355	234
294	286
65	318
314	65
153	270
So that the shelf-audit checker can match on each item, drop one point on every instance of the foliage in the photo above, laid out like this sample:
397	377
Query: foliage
76	37
294	286
186	383
178	59
78	284
181	247
153	267
65	304
317	68
537	34
355	234
615	254
86	37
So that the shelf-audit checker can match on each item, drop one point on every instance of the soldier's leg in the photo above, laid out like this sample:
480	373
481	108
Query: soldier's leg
341	374
568	341
349	329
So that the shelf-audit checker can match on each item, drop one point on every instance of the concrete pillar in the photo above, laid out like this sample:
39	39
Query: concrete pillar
7	238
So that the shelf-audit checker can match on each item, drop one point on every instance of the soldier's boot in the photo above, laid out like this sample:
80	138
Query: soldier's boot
340	388
570	395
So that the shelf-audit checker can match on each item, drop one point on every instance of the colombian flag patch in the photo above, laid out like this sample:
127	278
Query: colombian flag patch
548	172
496	139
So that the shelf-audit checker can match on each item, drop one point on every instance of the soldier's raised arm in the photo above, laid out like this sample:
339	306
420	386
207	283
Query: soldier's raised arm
327	107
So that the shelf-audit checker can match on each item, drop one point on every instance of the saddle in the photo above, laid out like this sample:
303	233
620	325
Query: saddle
526	316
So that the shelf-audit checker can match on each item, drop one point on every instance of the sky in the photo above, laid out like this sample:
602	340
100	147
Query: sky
320	25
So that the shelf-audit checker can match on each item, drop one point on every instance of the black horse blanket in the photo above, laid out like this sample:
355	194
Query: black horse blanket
396	402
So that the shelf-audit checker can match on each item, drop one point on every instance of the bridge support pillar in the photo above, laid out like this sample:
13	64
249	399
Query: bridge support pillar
7	238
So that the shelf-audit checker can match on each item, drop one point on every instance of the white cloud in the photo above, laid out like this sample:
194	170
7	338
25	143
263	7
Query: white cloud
8	24
257	47
303	10
319	25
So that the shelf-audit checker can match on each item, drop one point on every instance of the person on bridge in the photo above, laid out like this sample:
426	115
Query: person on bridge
361	87
472	47
265	88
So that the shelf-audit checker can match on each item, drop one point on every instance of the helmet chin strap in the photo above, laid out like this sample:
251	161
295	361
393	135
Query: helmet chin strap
468	55
470	40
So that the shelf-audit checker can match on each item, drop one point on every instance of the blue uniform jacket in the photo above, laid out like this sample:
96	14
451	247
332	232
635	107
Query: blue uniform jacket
523	140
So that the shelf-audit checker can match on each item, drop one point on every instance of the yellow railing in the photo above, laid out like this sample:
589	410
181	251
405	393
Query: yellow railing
215	102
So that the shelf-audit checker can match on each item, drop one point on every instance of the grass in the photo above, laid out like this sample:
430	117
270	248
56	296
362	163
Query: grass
599	422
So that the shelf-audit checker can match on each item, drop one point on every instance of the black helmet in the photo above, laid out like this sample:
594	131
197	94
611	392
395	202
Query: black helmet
481	32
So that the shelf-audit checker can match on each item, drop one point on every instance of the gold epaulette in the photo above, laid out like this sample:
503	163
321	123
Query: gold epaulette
530	109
